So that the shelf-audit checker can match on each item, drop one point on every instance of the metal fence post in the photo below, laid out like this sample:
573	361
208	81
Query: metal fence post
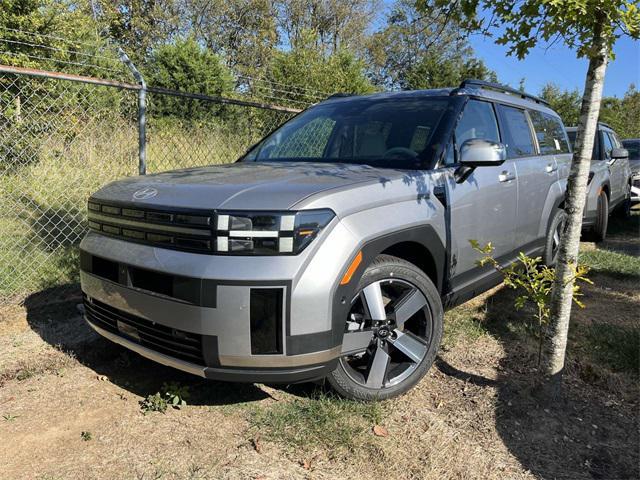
142	112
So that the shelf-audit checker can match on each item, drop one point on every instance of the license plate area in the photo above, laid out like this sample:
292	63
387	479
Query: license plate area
128	330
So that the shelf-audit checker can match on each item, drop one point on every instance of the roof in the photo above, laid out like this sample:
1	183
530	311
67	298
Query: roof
477	88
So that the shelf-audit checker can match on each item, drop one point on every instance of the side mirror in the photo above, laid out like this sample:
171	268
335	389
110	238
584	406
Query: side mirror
619	153
477	152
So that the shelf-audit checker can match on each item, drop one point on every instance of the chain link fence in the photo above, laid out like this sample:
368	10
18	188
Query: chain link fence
62	138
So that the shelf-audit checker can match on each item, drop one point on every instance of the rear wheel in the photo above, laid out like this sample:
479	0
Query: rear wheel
602	218
624	210
392	333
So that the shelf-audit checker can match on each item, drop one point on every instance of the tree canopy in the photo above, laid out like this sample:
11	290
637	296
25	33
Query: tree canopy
187	66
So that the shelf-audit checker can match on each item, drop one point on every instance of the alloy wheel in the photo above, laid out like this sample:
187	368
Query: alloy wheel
387	334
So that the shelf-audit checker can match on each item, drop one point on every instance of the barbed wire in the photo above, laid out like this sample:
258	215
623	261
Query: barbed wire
53	37
296	87
264	88
270	88
66	62
57	49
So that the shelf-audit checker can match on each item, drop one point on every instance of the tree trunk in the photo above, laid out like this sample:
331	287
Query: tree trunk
562	293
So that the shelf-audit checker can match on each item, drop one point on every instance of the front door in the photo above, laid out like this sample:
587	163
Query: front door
483	206
618	168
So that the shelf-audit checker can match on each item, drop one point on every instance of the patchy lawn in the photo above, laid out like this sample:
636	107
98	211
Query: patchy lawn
72	404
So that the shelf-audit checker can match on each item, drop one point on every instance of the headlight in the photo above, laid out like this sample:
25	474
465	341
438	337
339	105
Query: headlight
261	233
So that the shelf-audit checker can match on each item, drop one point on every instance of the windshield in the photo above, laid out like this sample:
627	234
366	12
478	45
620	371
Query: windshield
392	132
634	148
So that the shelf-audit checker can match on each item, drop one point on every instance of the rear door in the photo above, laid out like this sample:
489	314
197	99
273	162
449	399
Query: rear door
483	206
552	147
535	173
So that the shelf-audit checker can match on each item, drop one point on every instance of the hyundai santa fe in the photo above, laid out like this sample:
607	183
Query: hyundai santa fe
331	249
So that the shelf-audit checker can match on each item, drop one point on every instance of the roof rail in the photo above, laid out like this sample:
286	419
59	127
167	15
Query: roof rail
501	88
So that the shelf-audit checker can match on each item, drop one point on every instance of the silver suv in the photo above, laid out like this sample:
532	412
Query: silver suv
331	249
609	181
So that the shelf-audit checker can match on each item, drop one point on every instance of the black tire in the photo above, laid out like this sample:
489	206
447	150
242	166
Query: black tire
602	218
425	325
624	209
556	226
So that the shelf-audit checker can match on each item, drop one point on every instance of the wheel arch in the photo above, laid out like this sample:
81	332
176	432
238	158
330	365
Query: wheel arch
417	254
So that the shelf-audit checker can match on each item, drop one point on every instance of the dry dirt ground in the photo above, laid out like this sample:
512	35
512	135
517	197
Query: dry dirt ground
69	406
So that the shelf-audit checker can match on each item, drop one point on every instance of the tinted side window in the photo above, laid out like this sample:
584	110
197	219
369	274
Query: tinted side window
478	121
607	146
549	132
516	132
634	148
615	141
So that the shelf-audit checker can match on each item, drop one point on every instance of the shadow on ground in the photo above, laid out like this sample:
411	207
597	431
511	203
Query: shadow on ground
587	435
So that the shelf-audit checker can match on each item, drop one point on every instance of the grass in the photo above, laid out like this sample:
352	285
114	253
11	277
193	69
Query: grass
616	347
464	322
616	264
321	421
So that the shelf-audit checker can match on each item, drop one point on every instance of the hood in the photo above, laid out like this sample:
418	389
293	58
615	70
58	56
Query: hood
239	186
634	165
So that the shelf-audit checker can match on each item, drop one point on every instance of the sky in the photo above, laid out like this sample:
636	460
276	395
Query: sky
559	65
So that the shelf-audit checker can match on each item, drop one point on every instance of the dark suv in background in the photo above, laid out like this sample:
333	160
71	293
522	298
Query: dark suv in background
633	146
609	185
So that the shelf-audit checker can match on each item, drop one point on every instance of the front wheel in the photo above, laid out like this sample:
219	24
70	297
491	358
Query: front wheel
392	333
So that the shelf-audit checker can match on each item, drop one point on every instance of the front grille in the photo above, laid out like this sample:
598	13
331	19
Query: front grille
170	341
190	231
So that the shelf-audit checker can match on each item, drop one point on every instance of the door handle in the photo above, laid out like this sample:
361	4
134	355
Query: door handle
551	168
506	176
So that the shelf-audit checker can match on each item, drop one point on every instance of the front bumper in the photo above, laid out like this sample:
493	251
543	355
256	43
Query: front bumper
194	312
262	375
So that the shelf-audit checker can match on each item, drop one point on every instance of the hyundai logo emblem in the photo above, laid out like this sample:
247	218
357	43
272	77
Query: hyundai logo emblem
145	193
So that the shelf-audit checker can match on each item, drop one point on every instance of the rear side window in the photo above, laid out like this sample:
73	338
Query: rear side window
478	121
549	132
516	132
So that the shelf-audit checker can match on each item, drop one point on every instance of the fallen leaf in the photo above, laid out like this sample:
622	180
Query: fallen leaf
306	464
380	431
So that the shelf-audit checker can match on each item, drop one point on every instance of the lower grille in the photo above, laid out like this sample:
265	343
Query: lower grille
169	341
